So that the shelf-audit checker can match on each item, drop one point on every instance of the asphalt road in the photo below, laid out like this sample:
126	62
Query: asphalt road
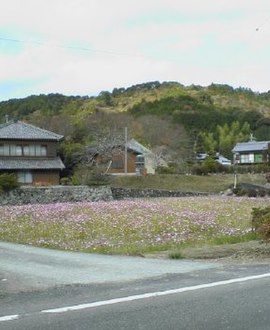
25	268
166	295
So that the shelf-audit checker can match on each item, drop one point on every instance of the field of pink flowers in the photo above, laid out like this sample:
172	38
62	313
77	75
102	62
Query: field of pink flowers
130	226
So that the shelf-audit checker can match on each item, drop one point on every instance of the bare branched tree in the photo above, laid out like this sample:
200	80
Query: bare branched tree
160	156
101	153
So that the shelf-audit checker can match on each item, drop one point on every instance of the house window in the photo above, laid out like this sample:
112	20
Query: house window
38	150
251	158
32	150
244	158
35	150
18	150
247	158
15	150
117	164
26	150
43	151
6	150
12	149
25	177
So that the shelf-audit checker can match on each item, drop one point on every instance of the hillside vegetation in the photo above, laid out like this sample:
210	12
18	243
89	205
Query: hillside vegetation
169	117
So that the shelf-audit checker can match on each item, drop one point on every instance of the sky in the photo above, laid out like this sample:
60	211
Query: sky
83	47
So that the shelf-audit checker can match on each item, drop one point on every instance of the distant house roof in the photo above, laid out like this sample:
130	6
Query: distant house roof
223	160
31	164
201	156
251	146
22	131
219	158
132	145
138	148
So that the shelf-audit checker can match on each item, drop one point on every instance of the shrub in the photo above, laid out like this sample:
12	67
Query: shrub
8	182
65	181
252	193
171	169
238	191
75	180
249	191
176	255
261	222
90	176
197	170
257	168
262	193
98	179
209	165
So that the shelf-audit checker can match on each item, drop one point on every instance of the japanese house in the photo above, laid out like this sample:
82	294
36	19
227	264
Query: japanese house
31	153
140	160
134	159
252	152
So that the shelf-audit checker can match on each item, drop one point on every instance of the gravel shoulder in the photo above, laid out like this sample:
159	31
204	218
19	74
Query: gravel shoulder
247	252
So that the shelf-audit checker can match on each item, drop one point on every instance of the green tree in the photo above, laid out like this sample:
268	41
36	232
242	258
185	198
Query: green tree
106	97
225	138
209	142
229	135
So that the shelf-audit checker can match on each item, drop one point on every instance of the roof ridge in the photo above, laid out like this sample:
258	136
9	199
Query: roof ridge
21	130
253	142
39	128
6	124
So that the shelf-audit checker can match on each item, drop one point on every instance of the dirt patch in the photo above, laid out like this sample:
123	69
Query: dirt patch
244	252
251	250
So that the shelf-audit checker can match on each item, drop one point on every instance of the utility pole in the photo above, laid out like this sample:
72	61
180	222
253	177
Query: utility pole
125	150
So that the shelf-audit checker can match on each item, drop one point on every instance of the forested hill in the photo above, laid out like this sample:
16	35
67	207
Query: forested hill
167	114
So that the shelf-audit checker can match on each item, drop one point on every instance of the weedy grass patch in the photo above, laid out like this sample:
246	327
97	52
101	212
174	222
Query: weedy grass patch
131	226
190	183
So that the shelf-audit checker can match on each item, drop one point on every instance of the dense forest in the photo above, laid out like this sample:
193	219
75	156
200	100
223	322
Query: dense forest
169	117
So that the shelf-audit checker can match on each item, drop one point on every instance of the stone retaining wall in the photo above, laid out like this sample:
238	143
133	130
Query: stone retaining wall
60	194
55	194
125	193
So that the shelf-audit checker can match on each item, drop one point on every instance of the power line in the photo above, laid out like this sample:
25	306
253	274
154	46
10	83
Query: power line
85	49
21	41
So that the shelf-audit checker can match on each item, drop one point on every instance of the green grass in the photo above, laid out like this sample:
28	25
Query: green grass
187	183
175	255
226	239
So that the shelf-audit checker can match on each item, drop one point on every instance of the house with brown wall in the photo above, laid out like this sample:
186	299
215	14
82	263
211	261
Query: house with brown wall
30	152
139	159
132	159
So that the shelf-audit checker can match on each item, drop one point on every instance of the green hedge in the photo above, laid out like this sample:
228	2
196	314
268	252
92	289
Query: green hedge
8	182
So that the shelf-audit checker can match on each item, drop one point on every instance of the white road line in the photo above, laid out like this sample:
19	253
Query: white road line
153	294
140	296
9	318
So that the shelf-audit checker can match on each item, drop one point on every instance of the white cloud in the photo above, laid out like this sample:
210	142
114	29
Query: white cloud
139	43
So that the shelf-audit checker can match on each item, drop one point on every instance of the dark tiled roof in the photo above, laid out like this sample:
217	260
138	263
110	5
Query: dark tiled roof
32	164
22	131
251	146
